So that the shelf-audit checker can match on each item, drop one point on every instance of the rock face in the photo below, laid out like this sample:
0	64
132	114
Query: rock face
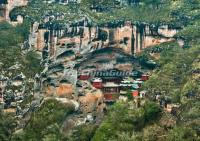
6	8
62	90
124	67
89	48
132	39
91	102
40	40
105	59
165	31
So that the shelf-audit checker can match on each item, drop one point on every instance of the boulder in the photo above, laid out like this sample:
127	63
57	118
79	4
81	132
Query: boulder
50	91
90	102
64	90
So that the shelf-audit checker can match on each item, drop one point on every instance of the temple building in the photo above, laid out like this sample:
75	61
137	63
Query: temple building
111	91
97	83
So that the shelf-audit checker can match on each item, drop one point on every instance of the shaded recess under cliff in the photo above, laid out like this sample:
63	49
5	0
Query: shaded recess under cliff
107	58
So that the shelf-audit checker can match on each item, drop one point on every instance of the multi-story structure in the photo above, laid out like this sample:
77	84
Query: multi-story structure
111	91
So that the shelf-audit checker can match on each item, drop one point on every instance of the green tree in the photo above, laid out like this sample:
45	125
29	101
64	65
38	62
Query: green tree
152	111
7	126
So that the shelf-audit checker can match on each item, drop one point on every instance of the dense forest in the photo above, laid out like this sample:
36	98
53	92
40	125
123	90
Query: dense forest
175	77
